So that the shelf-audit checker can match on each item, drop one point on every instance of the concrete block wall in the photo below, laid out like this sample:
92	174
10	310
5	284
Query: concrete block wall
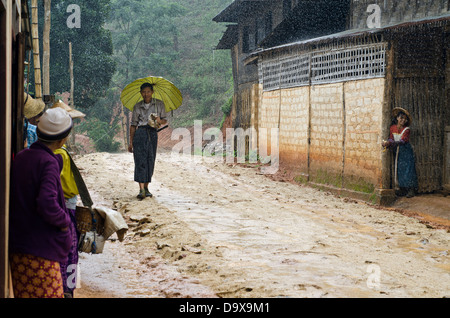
254	116
268	118
293	136
327	133
363	121
344	124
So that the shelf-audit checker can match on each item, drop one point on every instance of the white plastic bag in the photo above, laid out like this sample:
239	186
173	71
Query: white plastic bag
91	242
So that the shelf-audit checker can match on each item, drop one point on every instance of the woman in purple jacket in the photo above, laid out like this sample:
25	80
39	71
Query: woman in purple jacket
40	232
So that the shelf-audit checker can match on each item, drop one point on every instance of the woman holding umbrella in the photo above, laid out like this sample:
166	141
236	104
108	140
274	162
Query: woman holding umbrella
148	115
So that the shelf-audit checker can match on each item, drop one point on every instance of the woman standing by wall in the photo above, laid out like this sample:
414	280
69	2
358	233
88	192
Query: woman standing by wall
405	164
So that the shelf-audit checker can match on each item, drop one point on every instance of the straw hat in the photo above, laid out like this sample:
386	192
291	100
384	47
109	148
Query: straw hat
55	124
397	110
72	112
33	107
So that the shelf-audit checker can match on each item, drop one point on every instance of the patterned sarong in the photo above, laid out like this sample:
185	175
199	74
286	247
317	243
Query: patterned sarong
35	277
68	268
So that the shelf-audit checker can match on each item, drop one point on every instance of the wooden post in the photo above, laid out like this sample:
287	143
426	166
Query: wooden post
46	47
72	84
386	192
123	123
72	89
6	58
36	60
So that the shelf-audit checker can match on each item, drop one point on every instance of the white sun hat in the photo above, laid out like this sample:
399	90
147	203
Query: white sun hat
55	124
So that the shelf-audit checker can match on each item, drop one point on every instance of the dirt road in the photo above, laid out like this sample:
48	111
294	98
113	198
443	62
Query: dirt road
218	230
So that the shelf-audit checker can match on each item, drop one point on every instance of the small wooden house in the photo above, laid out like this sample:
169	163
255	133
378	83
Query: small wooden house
14	41
328	75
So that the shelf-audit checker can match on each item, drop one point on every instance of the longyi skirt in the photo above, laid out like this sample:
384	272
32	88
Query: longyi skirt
145	144
35	277
406	169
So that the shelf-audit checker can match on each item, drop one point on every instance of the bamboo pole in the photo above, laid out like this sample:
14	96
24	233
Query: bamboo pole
72	89
72	83
46	47
36	60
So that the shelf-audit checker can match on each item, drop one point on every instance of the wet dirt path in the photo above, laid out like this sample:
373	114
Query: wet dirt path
218	230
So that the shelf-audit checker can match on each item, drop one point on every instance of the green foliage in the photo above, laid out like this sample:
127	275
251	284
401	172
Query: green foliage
91	50
226	108
174	39
94	66
102	134
143	34
122	40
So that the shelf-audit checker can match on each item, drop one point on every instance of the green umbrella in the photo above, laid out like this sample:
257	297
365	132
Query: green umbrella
163	89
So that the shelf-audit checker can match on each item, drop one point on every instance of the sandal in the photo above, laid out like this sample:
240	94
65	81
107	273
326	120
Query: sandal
147	193
141	194
411	193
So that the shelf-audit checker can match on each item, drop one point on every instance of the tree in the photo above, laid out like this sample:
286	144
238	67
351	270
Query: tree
144	35
94	65
174	39
36	60
204	74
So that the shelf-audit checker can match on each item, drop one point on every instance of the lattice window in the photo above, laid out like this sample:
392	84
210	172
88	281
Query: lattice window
284	72
270	73
327	65
360	62
295	71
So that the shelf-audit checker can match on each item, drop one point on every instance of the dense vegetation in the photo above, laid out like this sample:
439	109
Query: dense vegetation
121	40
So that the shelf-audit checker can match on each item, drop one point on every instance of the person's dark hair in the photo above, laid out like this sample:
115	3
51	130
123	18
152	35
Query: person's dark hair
146	85
395	121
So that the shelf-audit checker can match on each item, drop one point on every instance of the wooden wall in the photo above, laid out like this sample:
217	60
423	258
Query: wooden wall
419	86
12	51
5	119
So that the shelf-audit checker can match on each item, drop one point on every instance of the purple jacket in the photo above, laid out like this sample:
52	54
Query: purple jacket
38	211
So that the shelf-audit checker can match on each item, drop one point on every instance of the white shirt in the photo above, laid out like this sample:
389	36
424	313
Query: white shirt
142	111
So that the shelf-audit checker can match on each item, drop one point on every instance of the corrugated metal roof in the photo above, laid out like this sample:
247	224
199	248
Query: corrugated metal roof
445	18
237	8
229	38
309	19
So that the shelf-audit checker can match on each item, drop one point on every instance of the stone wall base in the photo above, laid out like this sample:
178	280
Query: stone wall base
382	197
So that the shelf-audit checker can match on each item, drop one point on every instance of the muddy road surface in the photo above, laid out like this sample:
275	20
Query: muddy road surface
213	229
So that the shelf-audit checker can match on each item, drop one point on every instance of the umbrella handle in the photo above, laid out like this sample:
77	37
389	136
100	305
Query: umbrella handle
162	128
